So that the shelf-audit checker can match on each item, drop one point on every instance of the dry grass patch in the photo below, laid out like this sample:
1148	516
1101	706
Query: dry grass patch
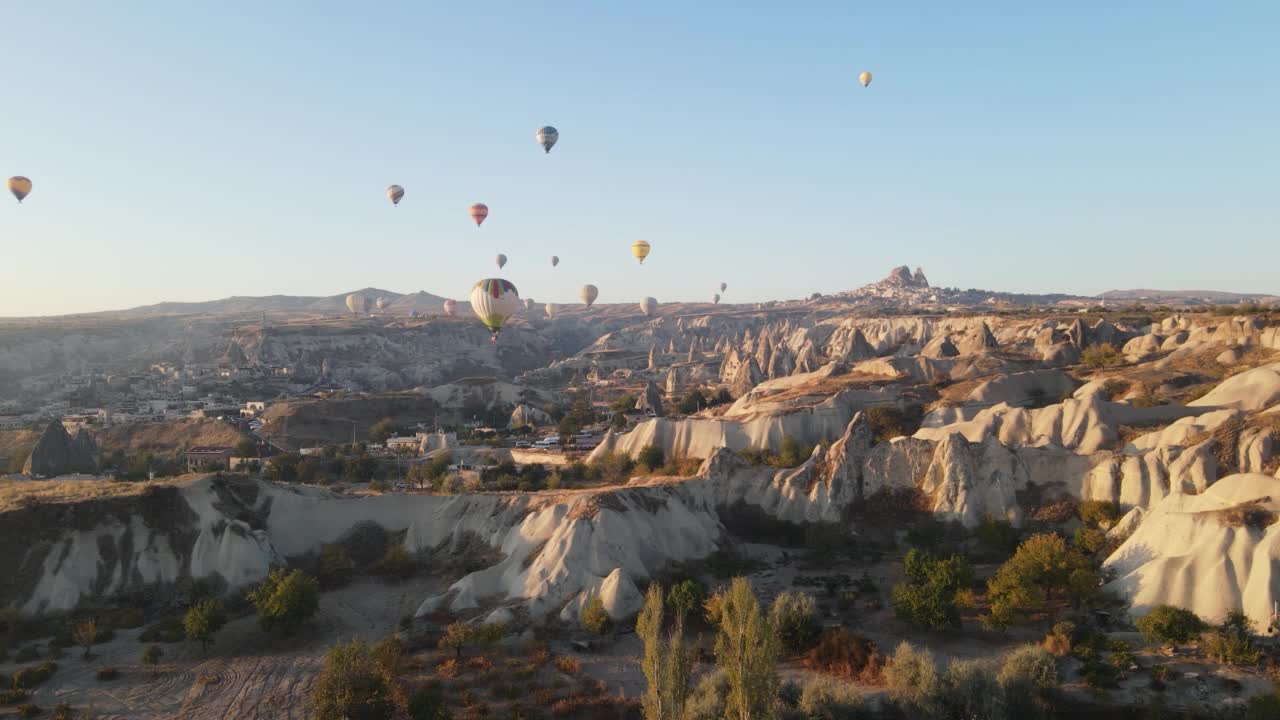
22	494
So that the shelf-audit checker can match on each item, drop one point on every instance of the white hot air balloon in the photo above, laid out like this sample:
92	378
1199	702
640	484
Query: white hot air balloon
494	300
550	309
451	307
383	303
501	260
355	303
394	194
555	260
649	306
588	294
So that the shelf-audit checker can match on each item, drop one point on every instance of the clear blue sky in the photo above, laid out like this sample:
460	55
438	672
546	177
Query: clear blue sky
190	151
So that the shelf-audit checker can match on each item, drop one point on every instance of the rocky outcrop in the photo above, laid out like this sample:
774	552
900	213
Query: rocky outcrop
939	347
981	341
57	453
527	416
650	400
746	377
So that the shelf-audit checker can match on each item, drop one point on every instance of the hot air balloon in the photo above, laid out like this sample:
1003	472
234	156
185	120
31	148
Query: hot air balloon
640	249
20	187
494	300
547	137
716	298
355	303
649	306
501	260
478	212
555	260
865	78
394	193
451	307
589	293
529	303
550	309
724	286
383	303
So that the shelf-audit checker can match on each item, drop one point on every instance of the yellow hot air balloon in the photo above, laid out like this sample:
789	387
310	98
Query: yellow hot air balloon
478	212
865	78
20	187
640	249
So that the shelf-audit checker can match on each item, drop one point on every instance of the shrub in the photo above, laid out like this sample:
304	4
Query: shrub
847	655
825	699
397	563
428	704
168	630
1102	355
650	457
568	665
85	634
970	690
997	538
285	600
1089	540
203	621
1059	640
107	674
29	677
912	677
334	567
1099	513
795	618
890	422
707	701
449	668
1030	664
1169	624
1231	643
594	617
151	655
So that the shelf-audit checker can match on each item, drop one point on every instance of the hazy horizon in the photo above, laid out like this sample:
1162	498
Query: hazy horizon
185	154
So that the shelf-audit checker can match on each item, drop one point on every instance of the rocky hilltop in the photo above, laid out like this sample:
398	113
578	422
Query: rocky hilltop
57	453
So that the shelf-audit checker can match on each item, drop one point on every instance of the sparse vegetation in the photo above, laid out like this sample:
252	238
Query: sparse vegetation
846	654
1169	624
1101	355
795	618
1231	643
594	617
891	421
351	685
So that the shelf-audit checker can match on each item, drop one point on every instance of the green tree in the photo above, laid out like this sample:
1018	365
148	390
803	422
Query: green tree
1042	571
286	599
568	429
928	599
618	421
795	617
381	430
790	454
351	685
624	404
692	402
1169	624
397	563
666	662
650	457
202	621
594	617
245	448
747	651
686	597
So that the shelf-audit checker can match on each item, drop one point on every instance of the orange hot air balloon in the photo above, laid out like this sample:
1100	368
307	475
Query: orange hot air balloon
20	187
478	212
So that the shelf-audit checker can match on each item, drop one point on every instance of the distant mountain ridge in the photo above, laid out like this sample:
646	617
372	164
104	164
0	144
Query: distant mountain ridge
421	301
1189	297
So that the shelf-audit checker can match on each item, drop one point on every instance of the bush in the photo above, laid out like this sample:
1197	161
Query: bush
997	538
1231	643
825	699
285	600
1169	624
912	677
107	674
428	704
846	655
203	621
1059	640
1030	664
1089	540
168	630
1099	513
1103	355
707	700
29	677
687	597
970	690
568	665
890	422
397	563
594	617
351	685
152	655
650	457
795	618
